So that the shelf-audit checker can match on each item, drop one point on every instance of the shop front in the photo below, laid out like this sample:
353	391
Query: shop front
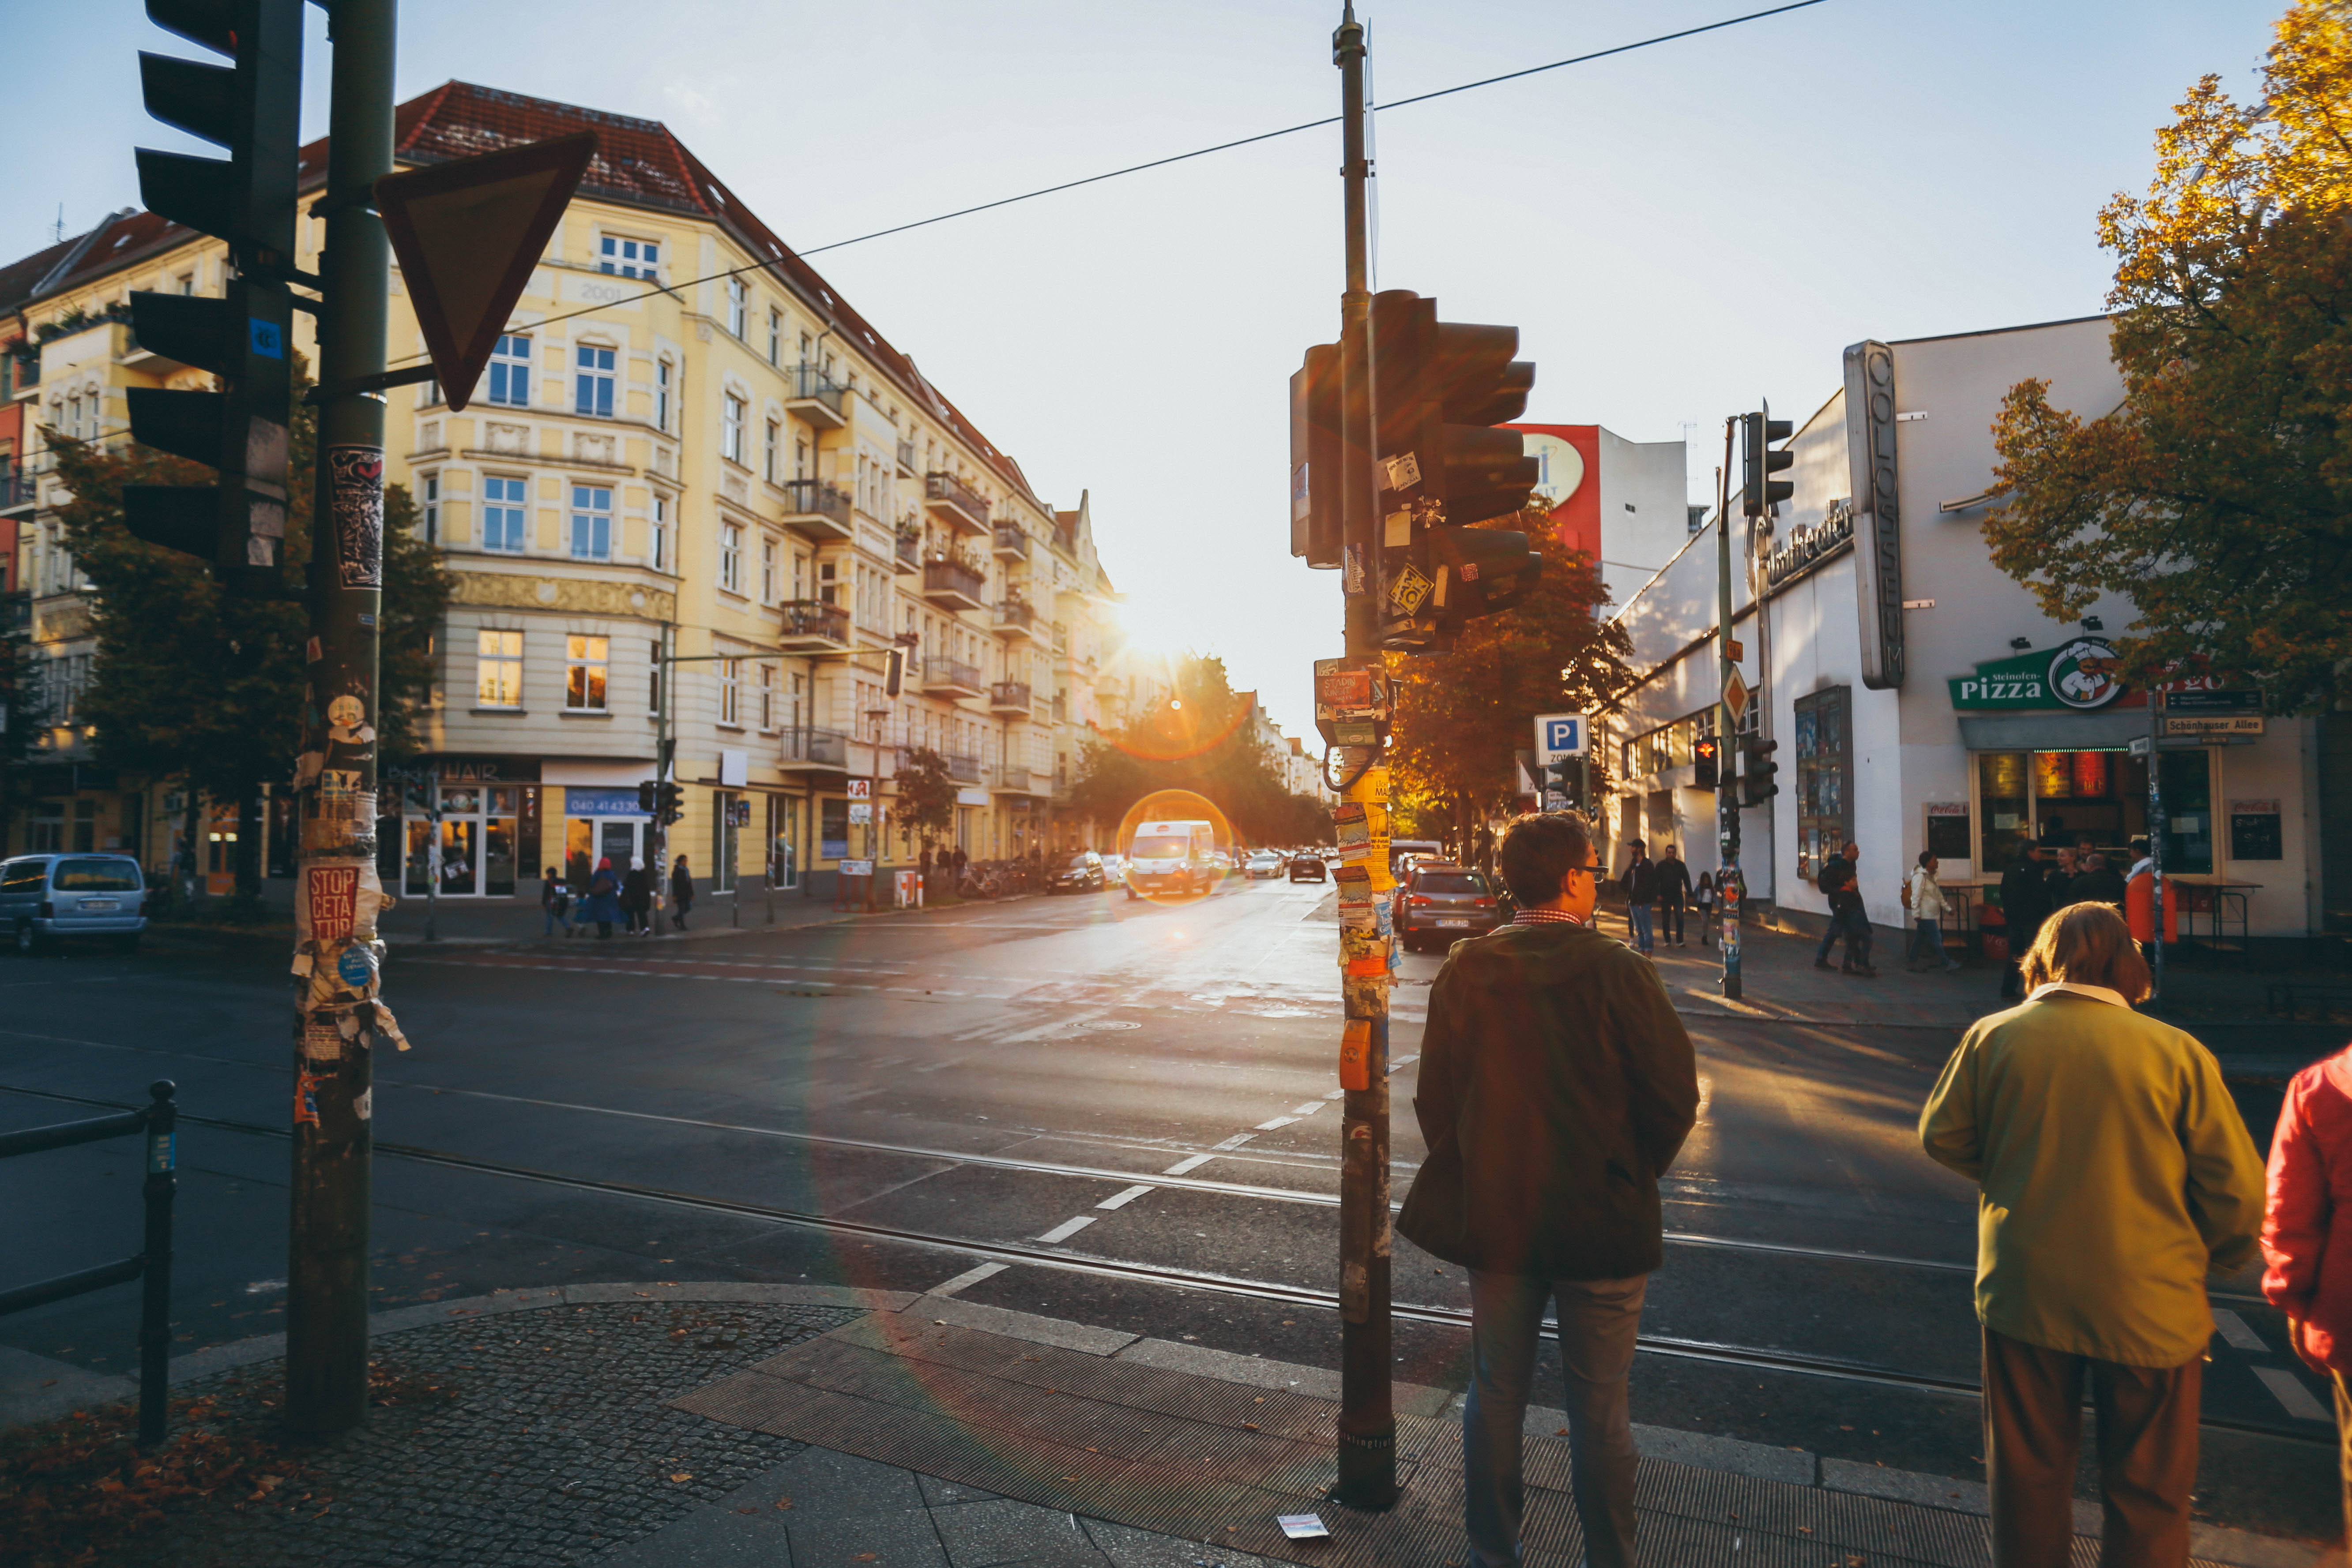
472	829
601	823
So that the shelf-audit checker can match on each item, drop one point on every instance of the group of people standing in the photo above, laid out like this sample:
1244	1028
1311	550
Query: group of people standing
627	900
1657	892
2036	884
2117	1181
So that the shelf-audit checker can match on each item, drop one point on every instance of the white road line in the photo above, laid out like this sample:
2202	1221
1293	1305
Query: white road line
1404	1061
1070	1227
1336	1094
2291	1393
969	1276
1310	1108
934	1067
1236	1141
2234	1331
1278	1122
1189	1163
1120	1200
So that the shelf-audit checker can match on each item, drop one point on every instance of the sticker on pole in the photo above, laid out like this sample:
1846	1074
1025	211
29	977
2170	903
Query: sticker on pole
334	897
355	477
1407	592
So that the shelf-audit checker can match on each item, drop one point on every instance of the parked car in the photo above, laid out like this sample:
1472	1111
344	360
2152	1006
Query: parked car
1263	863
1114	867
1084	873
45	896
1308	869
1440	900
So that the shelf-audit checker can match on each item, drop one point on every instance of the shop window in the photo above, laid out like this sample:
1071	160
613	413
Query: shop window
728	813
833	837
498	669
2004	809
2188	782
587	661
1824	776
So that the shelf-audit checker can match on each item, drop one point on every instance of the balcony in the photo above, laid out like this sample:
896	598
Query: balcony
1015	621
813	628
816	397
16	489
962	769
818	508
953	585
952	678
1018	778
906	459
909	554
814	749
1010	697
16	614
1011	545
954	503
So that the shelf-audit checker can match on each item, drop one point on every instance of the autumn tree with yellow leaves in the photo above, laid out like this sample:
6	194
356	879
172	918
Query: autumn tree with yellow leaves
2218	497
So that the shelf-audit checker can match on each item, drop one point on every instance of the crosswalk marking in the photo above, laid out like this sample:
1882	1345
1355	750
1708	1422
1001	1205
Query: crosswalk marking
1189	1163
1066	1229
2234	1331
1120	1200
2291	1393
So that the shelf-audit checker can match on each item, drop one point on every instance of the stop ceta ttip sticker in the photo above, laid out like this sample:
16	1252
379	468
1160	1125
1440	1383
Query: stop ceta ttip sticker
1356	1054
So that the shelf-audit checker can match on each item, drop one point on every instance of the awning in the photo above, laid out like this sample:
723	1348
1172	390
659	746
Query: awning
2111	731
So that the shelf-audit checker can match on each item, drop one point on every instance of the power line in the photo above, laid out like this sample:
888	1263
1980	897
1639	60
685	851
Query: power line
1202	153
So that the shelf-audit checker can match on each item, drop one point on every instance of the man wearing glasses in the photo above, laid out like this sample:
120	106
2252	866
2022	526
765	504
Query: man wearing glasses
1556	1087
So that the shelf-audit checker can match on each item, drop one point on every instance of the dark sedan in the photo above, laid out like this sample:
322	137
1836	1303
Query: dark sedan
1308	867
1438	901
1083	874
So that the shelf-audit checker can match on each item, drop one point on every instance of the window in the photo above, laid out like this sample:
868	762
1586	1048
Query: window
587	660
767	697
654	687
630	258
775	337
661	534
661	395
730	429
502	513
498	669
594	385
738	307
730	690
767	570
799	460
510	371
592	522
1824	776
772	453
731	558
430	487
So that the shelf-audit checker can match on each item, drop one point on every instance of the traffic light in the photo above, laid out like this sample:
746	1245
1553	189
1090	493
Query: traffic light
1441	388
647	796
250	107
894	671
1316	528
1561	779
669	802
1705	754
1756	770
1759	462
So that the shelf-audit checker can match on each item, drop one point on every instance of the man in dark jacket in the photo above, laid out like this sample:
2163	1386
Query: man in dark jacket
2024	905
1847	917
1556	1085
1674	890
2100	883
1640	880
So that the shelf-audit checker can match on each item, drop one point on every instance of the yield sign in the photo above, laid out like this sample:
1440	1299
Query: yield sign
468	234
1735	694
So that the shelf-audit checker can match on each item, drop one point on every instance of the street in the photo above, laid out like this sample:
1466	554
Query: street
1126	1109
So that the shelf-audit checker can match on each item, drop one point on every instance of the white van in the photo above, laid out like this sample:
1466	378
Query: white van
1172	856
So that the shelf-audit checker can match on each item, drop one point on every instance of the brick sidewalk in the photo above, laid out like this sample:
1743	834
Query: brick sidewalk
656	1425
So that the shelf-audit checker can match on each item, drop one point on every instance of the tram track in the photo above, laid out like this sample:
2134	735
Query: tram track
1748	1357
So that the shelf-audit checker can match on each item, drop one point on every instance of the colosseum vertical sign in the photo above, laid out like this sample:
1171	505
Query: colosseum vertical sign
1878	511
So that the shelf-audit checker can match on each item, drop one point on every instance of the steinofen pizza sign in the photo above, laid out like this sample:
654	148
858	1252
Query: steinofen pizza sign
2080	675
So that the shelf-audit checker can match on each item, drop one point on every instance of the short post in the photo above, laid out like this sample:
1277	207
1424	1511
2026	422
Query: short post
155	1273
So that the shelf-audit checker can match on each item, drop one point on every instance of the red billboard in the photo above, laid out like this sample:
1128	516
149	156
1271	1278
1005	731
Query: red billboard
1570	481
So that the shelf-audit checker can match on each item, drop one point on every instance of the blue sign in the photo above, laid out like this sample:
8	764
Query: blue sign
1559	735
269	339
353	967
578	802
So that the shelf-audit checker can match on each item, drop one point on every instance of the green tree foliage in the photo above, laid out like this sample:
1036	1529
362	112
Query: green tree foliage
24	712
927	795
1462	714
2219	497
194	683
1200	740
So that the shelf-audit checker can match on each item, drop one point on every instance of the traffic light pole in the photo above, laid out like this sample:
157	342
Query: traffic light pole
1367	1423
341	1020
1730	887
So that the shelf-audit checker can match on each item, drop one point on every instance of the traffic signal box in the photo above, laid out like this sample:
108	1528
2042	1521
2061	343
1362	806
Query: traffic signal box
1564	778
250	108
1758	489
1315	527
1707	754
1756	770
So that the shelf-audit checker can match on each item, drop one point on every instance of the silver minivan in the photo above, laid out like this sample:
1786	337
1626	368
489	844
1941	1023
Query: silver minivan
44	897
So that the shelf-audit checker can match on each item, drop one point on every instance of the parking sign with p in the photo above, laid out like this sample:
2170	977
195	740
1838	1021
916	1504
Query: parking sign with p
1559	735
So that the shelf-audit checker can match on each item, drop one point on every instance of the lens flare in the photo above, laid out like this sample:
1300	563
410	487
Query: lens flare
1174	733
1168	838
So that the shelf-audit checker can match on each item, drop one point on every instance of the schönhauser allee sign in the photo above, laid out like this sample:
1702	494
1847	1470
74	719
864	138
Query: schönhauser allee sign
2080	675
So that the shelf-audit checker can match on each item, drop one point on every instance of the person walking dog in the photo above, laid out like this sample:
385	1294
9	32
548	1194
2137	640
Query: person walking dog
2116	1180
1556	1086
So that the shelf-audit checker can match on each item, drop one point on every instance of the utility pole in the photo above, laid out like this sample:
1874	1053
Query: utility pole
1730	889
2156	826
1367	1423
341	1020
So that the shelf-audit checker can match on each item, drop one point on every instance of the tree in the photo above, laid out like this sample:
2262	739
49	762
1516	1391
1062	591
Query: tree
927	795
196	683
1464	713
1200	740
24	713
2218	497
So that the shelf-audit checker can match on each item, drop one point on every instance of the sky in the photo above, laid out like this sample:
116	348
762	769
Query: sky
1677	231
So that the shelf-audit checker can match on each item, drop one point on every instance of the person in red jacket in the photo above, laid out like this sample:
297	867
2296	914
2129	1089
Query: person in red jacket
2307	1231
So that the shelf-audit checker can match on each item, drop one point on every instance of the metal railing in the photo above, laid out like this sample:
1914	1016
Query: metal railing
910	550
951	672
954	577
1013	612
1011	541
960	767
1010	694
151	1267
812	618
826	748
812	385
15	613
16	486
816	497
1019	776
946	487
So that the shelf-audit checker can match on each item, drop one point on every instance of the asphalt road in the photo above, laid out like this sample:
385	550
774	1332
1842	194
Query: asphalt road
1130	1106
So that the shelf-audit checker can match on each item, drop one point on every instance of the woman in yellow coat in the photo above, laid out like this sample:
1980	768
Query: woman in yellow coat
2115	1178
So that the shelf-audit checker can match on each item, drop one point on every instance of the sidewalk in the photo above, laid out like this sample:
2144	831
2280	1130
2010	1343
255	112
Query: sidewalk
728	1424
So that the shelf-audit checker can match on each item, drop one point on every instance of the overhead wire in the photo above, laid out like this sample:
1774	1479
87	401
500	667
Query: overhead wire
1186	157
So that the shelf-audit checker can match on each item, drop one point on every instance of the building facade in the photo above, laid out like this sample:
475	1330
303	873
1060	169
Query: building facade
1918	698
695	502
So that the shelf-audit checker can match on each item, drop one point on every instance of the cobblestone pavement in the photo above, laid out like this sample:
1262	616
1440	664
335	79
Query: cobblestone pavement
552	1440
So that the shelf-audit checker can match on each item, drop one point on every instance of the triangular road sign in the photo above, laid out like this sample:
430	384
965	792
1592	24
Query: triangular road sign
468	234
1735	694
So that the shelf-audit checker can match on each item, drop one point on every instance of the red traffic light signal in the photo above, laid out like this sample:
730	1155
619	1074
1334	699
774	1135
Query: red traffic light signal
1706	762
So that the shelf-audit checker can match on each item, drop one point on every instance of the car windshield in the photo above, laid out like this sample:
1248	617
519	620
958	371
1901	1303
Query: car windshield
97	876
1160	848
1449	882
1078	862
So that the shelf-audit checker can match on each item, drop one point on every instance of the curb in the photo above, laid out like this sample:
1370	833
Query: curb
1698	1450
